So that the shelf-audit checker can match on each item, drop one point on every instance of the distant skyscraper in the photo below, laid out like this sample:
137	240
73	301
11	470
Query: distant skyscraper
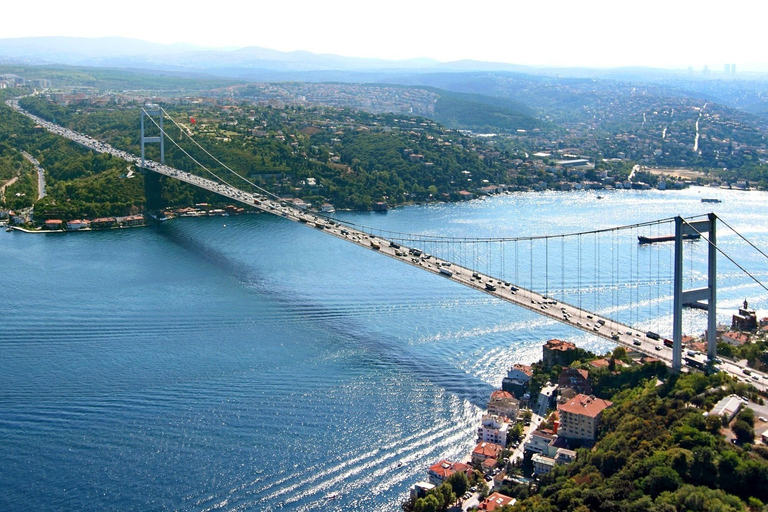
727	69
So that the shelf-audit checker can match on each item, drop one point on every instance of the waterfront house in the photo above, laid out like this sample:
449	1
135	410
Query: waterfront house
103	222
503	403
485	450
75	225
493	429
53	224
445	468
133	220
558	352
517	380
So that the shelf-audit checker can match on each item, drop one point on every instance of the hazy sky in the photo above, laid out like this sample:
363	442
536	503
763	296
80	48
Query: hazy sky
604	33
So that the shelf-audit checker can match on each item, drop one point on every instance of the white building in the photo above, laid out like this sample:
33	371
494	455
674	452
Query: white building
493	429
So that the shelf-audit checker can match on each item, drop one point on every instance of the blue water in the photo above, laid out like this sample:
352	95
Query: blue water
263	365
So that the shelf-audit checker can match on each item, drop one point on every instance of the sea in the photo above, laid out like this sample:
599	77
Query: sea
253	363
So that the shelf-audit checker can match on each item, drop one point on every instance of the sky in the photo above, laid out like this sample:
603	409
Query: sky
595	33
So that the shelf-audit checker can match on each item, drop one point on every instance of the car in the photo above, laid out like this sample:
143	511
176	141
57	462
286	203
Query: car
637	342
763	419
473	489
657	347
755	377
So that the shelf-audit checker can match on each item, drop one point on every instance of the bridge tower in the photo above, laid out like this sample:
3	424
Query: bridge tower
151	109
708	294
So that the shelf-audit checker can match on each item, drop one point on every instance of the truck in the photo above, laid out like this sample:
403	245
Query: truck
652	335
446	272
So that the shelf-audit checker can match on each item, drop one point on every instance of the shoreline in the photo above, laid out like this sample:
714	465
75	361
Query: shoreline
43	231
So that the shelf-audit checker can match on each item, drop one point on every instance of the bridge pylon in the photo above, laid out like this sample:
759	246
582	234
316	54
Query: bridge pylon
151	109
708	294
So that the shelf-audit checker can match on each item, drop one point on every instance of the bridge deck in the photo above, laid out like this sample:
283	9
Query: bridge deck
573	316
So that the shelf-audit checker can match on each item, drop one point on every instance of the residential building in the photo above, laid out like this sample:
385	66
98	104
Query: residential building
576	379
517	380
496	500
503	403
538	442
133	220
493	429
104	222
75	225
564	456
53	224
445	468
420	489
580	417
485	451
558	352
734	338
542	464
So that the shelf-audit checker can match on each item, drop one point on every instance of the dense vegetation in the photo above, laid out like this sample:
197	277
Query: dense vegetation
355	158
79	182
484	113
657	451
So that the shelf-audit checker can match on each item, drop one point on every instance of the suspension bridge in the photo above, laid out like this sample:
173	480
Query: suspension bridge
571	282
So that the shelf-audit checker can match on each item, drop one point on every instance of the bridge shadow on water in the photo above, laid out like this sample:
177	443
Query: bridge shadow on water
386	349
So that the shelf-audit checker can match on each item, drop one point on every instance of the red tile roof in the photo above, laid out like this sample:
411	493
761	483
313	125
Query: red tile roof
486	450
524	368
495	500
555	344
585	405
500	394
446	468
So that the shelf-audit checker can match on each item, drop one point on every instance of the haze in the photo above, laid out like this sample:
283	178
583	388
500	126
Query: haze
595	33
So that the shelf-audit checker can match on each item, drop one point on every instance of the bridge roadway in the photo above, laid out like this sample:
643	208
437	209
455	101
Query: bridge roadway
568	314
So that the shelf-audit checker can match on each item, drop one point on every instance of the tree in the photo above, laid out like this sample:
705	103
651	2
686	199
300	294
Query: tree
661	479
429	503
743	432
458	482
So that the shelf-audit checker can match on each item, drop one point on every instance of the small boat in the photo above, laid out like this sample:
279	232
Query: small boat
332	496
710	200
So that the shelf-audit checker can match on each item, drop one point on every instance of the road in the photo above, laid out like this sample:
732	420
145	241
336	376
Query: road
568	314
40	174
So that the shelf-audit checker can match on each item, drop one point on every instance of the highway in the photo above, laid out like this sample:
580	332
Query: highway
568	314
